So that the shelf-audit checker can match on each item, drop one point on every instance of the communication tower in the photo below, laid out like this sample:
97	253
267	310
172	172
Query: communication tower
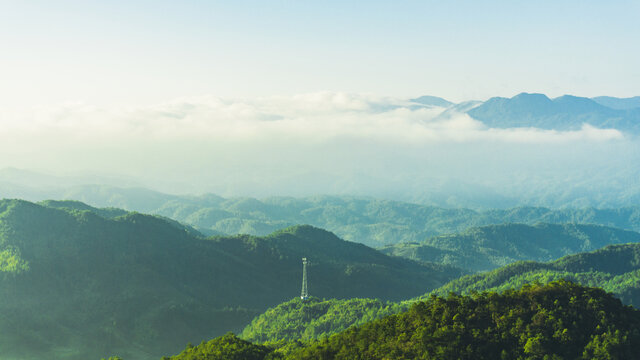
304	295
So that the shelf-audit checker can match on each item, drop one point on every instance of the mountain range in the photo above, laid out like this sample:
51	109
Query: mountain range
371	221
559	320
79	282
615	268
488	247
566	112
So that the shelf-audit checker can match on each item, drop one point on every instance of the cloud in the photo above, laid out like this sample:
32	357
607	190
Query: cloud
302	118
336	141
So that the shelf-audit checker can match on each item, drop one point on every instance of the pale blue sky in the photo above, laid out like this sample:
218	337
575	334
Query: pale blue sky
112	53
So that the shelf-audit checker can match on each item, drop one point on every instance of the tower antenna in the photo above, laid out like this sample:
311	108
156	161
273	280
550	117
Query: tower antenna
304	294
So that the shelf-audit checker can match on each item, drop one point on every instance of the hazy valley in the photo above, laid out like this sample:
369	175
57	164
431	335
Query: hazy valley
319	180
111	267
146	285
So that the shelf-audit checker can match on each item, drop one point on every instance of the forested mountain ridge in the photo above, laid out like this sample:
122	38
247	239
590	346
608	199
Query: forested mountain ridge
560	320
298	320
488	247
141	286
615	268
370	221
374	222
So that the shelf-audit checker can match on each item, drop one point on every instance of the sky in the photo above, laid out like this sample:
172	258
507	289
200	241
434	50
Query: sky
297	97
131	53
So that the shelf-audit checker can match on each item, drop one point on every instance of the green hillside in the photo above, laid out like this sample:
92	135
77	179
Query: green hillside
615	268
560	320
227	347
78	285
488	247
315	318
370	221
109	213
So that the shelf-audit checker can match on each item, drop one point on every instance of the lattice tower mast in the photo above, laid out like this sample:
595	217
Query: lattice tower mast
304	294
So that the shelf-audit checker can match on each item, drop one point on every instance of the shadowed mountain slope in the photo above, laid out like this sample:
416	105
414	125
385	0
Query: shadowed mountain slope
560	320
492	246
76	283
615	268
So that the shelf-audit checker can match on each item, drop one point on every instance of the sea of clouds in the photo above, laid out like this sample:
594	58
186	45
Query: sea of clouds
301	144
316	117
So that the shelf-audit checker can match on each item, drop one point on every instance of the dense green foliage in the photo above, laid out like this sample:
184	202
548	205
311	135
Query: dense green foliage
489	247
557	321
11	262
315	318
227	347
560	320
369	221
141	286
108	213
615	268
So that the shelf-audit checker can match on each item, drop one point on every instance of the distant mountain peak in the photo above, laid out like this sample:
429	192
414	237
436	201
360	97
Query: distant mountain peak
618	103
526	95
567	112
432	101
307	232
530	99
578	105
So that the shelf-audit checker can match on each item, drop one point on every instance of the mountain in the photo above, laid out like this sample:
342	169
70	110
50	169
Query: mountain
580	189
108	213
488	247
560	320
373	222
615	268
618	103
563	113
432	101
315	318
227	347
79	283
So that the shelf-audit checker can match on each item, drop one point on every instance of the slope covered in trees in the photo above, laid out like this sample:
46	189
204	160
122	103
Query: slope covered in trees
373	222
315	318
227	347
370	221
488	247
76	283
615	268
560	320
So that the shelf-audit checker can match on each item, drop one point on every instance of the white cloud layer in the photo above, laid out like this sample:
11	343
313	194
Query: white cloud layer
359	143
303	118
